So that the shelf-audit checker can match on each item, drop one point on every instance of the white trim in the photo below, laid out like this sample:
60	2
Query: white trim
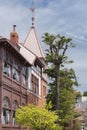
29	78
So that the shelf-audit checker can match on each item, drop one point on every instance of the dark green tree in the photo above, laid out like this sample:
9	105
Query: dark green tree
56	58
62	80
85	93
67	96
78	95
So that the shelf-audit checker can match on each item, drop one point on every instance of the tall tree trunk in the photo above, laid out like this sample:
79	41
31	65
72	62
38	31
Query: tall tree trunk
57	87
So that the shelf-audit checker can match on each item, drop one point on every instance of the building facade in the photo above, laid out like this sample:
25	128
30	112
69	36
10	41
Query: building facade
22	80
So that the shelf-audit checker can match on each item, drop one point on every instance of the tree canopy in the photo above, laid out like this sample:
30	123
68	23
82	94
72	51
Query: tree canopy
62	79
85	93
56	58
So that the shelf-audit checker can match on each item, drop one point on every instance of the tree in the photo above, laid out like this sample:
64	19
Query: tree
56	58
78	95
85	93
67	96
62	80
37	118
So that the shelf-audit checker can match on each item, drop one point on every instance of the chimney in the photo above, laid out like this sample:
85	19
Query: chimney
14	38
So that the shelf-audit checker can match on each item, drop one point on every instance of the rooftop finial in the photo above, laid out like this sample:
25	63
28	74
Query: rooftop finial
33	11
14	28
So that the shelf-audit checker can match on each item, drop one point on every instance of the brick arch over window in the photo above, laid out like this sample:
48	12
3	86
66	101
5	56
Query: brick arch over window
15	104
6	102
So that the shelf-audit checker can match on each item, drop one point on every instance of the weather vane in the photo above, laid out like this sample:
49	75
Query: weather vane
32	9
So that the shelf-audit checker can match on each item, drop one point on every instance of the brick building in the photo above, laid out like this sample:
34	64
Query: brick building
21	76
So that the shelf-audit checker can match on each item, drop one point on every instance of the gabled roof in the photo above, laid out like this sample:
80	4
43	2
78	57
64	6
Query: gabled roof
30	57
15	49
33	44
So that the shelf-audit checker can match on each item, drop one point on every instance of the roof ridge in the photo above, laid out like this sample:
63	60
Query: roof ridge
39	45
32	36
27	49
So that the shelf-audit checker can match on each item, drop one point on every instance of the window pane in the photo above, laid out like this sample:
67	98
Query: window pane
15	74
5	116
6	102
35	84
13	117
7	69
23	80
15	105
24	70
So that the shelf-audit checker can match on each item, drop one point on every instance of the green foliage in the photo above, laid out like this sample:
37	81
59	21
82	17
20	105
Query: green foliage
66	113
56	58
67	95
77	95
85	93
37	118
62	80
57	46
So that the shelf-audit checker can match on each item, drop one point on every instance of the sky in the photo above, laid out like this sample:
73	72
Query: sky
64	17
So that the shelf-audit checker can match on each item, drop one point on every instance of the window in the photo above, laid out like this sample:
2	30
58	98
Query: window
24	75
16	69
23	80
7	69
38	69
7	56
6	111
5	116
15	74
35	84
14	107
13	118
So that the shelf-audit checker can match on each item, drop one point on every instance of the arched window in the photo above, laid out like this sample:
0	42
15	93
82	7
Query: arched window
6	110
14	107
